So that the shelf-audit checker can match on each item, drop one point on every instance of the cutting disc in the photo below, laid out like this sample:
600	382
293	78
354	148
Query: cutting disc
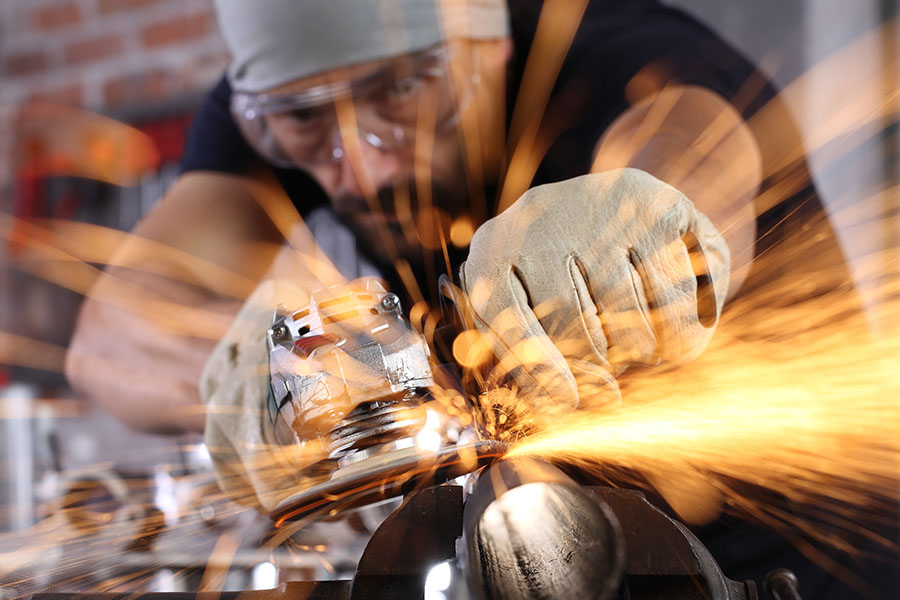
381	477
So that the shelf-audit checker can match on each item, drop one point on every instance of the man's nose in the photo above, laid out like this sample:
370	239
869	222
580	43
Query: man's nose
365	167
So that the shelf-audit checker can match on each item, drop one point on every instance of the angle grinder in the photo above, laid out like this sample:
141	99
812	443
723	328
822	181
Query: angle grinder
350	379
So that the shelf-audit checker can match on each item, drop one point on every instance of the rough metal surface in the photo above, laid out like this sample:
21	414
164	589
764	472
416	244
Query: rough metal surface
533	533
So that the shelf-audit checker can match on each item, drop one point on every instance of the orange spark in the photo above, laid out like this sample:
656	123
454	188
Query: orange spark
794	396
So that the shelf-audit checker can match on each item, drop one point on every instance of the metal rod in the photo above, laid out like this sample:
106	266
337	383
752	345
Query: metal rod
531	532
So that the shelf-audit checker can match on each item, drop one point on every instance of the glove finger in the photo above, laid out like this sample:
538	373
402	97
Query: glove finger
596	386
524	350
234	388
618	294
592	370
671	286
574	326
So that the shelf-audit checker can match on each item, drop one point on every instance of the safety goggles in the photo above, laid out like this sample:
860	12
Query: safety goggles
302	128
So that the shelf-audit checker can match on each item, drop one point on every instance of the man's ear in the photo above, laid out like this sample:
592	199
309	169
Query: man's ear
502	52
493	53
507	49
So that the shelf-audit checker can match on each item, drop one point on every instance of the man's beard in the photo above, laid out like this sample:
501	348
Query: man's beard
403	223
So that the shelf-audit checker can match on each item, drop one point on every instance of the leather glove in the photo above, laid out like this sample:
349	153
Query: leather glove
579	280
250	465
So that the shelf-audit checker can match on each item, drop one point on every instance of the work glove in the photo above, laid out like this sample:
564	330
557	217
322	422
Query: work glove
250	465
579	280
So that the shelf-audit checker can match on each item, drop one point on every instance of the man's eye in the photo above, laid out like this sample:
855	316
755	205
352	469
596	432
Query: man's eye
304	116
304	120
404	88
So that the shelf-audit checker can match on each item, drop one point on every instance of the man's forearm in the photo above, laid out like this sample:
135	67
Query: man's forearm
170	292
139	355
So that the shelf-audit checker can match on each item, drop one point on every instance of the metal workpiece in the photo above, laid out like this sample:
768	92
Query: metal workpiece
531	532
353	383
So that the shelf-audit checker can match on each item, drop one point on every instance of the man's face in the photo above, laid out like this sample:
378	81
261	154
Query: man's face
390	153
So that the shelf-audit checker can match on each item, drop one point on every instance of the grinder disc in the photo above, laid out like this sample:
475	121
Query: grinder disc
381	477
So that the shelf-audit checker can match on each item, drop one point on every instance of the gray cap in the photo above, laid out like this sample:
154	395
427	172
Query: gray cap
273	42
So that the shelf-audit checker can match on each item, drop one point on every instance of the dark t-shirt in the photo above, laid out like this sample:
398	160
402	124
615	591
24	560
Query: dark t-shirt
620	48
616	41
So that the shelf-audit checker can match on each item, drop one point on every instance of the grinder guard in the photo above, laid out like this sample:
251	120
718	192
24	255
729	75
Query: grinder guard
349	379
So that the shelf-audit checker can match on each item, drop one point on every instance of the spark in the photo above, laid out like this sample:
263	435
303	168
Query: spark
555	32
799	398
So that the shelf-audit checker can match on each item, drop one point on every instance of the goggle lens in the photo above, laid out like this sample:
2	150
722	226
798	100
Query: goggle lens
389	106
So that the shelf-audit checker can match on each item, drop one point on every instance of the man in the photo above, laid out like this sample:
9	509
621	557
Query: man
392	127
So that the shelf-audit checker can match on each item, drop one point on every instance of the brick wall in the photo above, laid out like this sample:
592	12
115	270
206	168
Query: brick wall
109	56
130	59
105	54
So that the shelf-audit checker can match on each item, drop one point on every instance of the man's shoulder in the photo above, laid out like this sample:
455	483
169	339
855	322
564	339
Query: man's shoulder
214	142
620	52
617	41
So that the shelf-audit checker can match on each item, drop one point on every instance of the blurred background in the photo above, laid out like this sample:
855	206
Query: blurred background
80	78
